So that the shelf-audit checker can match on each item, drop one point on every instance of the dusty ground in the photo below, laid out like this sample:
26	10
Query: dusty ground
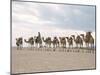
43	59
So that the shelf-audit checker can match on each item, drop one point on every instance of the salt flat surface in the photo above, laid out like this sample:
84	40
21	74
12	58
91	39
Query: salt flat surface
48	59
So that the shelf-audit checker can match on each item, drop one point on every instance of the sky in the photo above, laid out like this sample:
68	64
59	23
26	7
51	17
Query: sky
29	18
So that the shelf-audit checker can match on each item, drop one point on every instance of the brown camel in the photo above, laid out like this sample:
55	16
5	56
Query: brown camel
19	43
91	41
70	41
55	42
47	41
63	42
30	41
78	40
88	39
85	40
38	40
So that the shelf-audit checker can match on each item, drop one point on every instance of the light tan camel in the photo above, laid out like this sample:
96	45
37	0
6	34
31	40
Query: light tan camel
63	41
55	42
30	41
78	40
70	41
19	43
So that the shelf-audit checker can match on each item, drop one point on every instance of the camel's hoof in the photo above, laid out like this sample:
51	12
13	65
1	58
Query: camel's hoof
67	50
78	51
54	50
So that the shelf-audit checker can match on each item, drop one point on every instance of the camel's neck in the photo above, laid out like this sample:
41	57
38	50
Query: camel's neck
67	39
74	38
44	40
39	35
83	38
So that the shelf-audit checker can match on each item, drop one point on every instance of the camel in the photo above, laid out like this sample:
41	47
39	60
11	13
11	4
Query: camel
55	42
91	41
19	42
63	42
70	41
88	39
30	41
38	40
78	40
85	40
47	41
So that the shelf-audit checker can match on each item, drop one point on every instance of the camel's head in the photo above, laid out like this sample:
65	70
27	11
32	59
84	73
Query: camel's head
38	32
71	38
67	37
20	38
31	38
88	33
63	38
42	37
16	39
73	35
49	37
82	35
55	37
78	37
59	37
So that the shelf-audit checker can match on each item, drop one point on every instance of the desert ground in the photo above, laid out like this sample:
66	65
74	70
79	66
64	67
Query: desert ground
29	60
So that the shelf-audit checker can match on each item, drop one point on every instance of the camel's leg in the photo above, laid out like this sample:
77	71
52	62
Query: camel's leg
17	47
20	47
72	46
69	46
91	46
32	47
54	48
88	45
50	46
80	45
76	45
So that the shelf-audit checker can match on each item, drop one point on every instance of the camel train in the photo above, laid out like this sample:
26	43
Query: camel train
37	41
